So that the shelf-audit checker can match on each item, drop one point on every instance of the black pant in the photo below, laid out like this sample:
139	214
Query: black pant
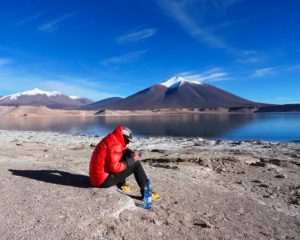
120	178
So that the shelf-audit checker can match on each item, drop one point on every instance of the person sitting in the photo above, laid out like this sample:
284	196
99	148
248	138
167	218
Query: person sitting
112	162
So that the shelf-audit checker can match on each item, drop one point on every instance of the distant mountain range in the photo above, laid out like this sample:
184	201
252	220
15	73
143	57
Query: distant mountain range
102	103
37	97
177	92
280	108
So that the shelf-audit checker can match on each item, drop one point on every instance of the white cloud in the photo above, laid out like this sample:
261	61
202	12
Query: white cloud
125	58
191	15
264	72
137	35
222	3
223	25
52	25
180	12
250	56
212	75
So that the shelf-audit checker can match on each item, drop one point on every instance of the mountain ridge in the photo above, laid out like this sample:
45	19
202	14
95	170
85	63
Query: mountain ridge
37	97
178	92
99	104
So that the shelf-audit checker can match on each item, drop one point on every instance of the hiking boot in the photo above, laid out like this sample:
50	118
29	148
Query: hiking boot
125	188
155	196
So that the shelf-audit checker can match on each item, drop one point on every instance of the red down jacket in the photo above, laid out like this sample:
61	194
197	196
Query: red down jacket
107	156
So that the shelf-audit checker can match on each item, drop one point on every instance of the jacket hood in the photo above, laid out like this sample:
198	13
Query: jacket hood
118	133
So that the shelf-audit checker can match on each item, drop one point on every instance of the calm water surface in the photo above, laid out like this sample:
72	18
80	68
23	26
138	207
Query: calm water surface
277	127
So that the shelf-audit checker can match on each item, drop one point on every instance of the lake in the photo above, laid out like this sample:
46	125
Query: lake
276	127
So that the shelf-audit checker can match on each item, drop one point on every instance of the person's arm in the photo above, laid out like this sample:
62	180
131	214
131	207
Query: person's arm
114	156
129	157
129	161
128	153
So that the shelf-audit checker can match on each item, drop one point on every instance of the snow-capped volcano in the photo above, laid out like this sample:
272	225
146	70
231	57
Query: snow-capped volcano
37	97
178	92
177	81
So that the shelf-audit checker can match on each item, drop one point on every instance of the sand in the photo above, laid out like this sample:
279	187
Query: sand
209	190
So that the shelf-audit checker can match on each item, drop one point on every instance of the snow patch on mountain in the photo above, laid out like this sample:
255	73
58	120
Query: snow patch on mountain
32	92
74	97
177	81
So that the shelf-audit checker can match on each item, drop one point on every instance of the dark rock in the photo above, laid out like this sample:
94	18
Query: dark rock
264	160
296	163
263	185
93	145
164	166
295	197
201	162
267	146
201	223
275	162
256	181
240	172
279	176
239	182
258	164
236	143
199	144
256	142
294	201
167	160
19	144
158	150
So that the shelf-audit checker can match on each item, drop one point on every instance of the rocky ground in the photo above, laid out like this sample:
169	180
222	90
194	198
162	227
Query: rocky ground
209	190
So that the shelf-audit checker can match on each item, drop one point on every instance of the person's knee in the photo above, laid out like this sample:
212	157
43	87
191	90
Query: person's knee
138	164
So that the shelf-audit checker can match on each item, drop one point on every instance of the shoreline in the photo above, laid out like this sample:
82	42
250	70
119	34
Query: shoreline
210	189
42	111
293	141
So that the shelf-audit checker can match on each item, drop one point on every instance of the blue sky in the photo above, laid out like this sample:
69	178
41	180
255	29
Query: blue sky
99	49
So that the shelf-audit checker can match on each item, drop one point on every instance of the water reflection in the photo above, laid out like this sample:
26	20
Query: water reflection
204	125
208	125
273	127
80	125
281	127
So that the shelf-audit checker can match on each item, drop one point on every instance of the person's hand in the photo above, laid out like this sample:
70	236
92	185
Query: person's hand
136	156
128	152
